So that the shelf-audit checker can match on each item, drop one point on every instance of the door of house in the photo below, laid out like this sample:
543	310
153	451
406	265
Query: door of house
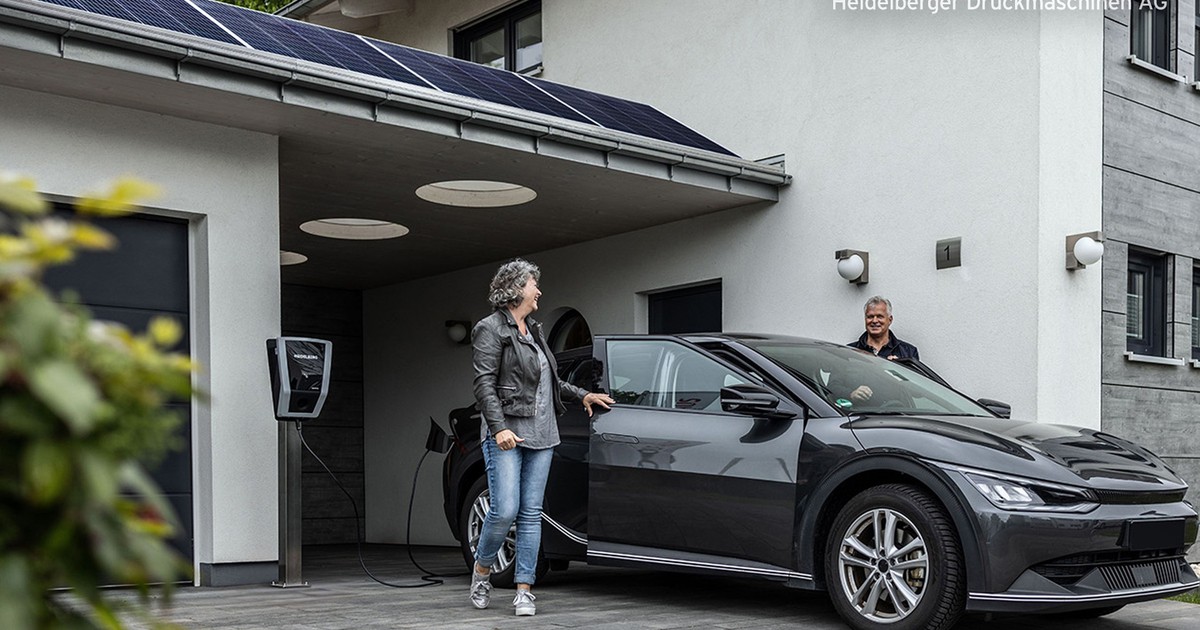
688	310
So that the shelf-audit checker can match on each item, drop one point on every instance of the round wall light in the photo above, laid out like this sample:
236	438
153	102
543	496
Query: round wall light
476	193
291	258
1088	251
354	229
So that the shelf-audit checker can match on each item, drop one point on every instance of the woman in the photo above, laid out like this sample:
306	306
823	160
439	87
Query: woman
519	396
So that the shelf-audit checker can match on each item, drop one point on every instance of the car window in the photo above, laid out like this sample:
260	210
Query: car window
857	382
667	375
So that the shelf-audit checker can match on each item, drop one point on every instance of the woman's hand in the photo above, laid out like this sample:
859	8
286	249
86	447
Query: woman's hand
506	439
592	398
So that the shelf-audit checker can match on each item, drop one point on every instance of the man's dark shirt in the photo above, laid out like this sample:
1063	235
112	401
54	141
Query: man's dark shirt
893	348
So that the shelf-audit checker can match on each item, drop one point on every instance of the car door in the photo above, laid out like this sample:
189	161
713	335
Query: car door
669	470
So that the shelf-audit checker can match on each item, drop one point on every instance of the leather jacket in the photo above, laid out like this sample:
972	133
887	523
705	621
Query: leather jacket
507	370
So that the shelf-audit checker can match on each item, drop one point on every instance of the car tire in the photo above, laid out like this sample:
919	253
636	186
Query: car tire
915	581
470	523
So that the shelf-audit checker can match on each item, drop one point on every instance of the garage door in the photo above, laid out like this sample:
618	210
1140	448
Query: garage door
146	275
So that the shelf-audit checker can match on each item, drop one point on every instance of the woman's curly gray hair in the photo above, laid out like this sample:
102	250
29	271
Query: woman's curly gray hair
509	280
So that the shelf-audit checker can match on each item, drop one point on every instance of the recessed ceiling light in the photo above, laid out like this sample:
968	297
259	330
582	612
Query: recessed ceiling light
476	193
354	229
291	258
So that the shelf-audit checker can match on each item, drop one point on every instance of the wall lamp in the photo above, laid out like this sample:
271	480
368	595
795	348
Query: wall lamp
1084	249
458	331
853	265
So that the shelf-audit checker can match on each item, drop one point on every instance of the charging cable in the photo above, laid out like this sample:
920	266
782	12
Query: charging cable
429	578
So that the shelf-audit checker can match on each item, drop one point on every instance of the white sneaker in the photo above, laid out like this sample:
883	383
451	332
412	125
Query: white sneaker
481	589
523	602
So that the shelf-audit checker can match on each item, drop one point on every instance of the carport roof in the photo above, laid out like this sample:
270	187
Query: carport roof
352	144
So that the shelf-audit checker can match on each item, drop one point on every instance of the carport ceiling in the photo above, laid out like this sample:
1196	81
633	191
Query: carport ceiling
575	203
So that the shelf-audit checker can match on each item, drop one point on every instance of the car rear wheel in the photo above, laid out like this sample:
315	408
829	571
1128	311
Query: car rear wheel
474	511
893	561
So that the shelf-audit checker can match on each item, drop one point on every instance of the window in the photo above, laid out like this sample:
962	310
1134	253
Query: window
694	309
1196	23
1196	313
1145	304
666	375
511	40
1150	32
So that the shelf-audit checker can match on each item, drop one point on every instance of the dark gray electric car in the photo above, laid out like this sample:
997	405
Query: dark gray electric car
823	467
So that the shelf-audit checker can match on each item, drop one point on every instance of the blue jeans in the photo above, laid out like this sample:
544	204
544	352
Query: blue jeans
517	484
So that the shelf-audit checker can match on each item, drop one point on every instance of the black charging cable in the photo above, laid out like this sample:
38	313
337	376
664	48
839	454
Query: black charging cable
430	578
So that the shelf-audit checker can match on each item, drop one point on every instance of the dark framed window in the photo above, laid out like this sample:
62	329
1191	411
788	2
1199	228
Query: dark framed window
1150	32
689	310
1196	313
1196	41
511	40
1146	303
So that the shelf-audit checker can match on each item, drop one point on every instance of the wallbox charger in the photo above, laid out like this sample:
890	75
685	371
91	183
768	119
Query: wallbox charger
300	369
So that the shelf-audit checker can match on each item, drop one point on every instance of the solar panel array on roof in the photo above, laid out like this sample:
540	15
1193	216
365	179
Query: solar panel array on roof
230	24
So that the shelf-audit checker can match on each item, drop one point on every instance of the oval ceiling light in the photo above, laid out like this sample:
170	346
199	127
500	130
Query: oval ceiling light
476	193
291	258
354	229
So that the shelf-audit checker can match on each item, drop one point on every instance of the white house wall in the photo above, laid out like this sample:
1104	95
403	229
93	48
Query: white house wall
225	182
900	129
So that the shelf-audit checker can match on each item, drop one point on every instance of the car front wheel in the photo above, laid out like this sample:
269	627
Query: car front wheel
893	561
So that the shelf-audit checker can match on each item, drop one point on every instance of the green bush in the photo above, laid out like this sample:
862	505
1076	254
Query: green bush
81	413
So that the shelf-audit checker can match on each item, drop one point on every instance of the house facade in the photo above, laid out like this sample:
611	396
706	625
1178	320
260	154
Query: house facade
894	133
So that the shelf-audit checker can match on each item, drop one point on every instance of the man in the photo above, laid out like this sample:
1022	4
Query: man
878	338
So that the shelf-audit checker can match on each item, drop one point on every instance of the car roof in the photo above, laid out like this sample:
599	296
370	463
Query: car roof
729	336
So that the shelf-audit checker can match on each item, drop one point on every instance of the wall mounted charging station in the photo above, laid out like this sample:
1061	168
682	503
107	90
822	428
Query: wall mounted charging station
299	375
300	370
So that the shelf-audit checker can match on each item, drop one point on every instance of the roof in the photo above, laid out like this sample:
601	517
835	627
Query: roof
362	144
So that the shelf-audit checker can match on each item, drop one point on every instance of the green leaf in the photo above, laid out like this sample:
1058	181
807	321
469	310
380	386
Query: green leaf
47	468
17	596
66	390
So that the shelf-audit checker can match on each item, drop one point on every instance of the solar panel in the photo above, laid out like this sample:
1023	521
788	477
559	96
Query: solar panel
329	47
173	15
301	40
470	79
623	115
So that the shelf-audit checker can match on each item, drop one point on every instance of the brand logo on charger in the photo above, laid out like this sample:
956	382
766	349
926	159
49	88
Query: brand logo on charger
305	356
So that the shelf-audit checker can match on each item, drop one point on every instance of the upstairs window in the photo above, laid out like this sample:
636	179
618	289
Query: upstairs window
511	40
1150	32
1146	304
1196	313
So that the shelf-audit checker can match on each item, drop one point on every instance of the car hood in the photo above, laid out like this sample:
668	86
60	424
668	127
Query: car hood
1051	452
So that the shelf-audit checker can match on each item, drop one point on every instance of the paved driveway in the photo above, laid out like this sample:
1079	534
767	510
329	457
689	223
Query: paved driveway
341	597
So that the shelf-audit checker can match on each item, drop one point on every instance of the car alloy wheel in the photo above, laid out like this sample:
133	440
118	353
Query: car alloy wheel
893	561
475	518
882	564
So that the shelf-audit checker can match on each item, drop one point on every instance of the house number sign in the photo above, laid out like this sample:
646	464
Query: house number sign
949	253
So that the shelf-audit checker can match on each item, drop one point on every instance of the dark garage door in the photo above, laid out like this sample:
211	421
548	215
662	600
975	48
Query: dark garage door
146	275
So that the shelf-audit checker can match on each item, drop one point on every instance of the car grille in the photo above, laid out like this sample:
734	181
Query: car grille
1130	576
1121	569
1119	497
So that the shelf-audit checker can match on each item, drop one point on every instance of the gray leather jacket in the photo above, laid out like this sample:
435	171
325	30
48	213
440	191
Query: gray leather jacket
507	370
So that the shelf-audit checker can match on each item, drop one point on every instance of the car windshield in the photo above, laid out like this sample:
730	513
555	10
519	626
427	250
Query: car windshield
859	383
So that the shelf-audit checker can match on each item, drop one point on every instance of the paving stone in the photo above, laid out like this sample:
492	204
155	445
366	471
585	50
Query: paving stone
598	598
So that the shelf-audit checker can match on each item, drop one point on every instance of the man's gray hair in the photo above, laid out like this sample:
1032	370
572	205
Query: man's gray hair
510	279
876	300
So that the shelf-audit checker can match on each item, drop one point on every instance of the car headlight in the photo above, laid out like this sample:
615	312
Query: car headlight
1012	493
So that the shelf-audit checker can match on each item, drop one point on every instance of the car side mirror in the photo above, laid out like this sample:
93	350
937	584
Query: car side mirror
1002	409
752	400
